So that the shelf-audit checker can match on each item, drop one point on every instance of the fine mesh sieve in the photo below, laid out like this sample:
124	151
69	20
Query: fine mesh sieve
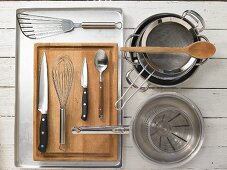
167	32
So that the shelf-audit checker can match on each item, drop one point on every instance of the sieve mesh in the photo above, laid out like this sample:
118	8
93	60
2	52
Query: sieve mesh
169	34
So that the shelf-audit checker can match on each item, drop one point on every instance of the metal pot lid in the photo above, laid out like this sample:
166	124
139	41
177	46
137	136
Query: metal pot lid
169	32
168	129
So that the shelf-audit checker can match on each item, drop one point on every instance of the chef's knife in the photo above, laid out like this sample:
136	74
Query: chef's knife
84	81
43	104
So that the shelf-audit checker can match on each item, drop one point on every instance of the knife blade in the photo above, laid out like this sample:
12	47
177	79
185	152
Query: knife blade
84	82
43	104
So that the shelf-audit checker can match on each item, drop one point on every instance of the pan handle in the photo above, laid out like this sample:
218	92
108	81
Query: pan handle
114	130
202	61
124	54
196	17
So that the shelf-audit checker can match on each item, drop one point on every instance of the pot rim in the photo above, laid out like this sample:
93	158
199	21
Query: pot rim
200	140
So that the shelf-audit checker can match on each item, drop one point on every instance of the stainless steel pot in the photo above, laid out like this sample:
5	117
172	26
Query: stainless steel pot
166	70
166	30
167	129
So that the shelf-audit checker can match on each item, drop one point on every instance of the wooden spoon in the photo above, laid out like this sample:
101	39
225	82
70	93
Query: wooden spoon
200	49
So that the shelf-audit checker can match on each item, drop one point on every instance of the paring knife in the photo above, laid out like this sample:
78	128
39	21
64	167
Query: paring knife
84	82
43	104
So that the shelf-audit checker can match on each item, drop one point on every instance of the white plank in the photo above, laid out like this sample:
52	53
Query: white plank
207	158
7	157
7	71
134	12
7	100
7	42
209	101
6	131
209	75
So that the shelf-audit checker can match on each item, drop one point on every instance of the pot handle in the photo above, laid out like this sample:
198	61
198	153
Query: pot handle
124	54
114	130
196	17
202	61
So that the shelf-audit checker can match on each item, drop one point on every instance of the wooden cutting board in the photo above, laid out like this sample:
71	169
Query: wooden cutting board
78	147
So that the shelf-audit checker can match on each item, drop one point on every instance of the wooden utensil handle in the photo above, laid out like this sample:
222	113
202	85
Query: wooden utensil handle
153	49
101	100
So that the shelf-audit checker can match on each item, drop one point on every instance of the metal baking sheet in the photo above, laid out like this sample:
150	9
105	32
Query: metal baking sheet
24	77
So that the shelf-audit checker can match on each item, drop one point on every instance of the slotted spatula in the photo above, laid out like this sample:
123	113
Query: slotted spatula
36	27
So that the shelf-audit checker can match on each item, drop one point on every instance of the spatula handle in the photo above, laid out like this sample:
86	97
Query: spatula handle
101	25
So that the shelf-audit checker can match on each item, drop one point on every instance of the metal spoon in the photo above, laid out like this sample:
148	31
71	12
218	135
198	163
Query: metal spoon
101	62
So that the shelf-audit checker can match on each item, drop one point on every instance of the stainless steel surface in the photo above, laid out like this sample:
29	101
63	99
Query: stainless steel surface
168	32
84	74
63	75
164	73
96	130
168	129
197	18
101	62
37	26
43	86
24	78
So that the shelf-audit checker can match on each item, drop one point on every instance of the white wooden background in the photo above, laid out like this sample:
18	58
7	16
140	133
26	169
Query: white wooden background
208	88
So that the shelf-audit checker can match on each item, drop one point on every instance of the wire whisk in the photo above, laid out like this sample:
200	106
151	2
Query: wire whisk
62	75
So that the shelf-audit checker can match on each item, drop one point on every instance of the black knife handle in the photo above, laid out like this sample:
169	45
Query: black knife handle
43	133
84	104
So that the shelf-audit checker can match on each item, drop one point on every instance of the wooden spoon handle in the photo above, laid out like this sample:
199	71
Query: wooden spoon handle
154	49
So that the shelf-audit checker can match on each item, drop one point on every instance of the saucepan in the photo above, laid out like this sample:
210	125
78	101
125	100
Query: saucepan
169	69
167	129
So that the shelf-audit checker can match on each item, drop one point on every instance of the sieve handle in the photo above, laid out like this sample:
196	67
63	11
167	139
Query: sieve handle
118	104
114	130
101	25
196	17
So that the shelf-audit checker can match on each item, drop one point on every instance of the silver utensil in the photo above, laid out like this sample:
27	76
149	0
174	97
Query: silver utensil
101	62
84	82
62	74
35	26
43	104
